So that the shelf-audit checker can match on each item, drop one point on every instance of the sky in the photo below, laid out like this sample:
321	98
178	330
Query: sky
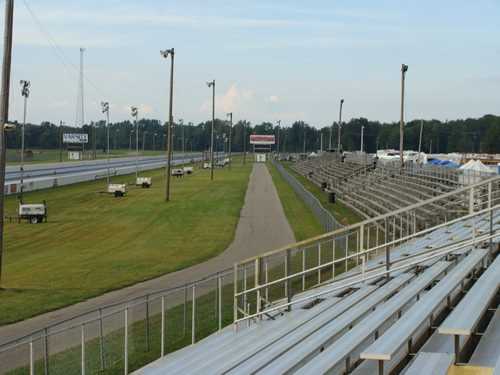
272	60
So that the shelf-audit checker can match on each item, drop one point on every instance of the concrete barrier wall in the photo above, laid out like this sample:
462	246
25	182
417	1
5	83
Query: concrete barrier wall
68	179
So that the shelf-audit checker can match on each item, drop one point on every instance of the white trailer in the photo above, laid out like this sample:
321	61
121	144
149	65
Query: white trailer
177	172
119	190
145	182
33	213
188	170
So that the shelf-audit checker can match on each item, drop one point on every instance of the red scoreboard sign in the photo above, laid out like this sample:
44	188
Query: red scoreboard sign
256	139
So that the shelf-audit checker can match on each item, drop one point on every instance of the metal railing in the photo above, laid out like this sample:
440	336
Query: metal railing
307	264
125	336
353	279
327	220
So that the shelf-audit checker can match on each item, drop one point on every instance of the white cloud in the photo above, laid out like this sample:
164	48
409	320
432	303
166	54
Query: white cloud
273	99
231	101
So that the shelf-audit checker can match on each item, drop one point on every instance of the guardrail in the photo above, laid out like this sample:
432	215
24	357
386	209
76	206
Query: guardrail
327	220
47	182
276	274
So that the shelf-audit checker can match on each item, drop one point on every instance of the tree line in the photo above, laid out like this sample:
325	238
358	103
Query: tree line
469	135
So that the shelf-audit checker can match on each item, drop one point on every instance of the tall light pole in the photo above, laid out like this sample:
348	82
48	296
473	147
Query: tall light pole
278	140
330	142
25	92
4	110
420	138
105	110
135	114
169	52
340	126
212	85
181	123
230	115
130	140
404	69
244	143
362	137
304	145
60	140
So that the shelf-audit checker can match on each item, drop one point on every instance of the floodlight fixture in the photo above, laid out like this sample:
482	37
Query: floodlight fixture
105	107
25	85
167	52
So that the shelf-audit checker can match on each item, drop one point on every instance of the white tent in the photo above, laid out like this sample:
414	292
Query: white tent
474	171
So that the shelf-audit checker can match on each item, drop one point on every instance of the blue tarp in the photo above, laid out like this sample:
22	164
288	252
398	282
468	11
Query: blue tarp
444	163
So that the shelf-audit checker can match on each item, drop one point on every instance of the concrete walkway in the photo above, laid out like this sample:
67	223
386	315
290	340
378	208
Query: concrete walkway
262	227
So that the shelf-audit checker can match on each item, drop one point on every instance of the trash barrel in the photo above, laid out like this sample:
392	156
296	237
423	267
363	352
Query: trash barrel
331	197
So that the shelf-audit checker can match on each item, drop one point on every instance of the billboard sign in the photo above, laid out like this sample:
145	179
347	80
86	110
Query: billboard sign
256	139
75	138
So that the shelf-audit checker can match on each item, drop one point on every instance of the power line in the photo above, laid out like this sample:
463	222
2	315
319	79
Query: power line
67	63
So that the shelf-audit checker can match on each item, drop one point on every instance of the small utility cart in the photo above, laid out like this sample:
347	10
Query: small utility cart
119	190
145	182
188	170
177	172
33	213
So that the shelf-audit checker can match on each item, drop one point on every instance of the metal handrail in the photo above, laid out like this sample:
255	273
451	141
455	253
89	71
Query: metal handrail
446	250
373	220
366	252
120	307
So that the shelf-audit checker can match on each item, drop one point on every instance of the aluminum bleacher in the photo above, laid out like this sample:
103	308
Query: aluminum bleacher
430	363
373	191
380	296
378	323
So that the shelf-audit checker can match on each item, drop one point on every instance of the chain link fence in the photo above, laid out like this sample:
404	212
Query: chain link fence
326	219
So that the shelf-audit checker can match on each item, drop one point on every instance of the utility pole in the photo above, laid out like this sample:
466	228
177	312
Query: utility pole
230	114
340	126
169	52
25	92
420	138
404	69
4	111
105	109
212	85
135	114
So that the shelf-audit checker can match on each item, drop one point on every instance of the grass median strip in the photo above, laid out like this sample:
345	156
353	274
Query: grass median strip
301	219
94	243
343	214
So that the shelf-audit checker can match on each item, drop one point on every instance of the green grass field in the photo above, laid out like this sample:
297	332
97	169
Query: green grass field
94	242
304	224
53	155
343	214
